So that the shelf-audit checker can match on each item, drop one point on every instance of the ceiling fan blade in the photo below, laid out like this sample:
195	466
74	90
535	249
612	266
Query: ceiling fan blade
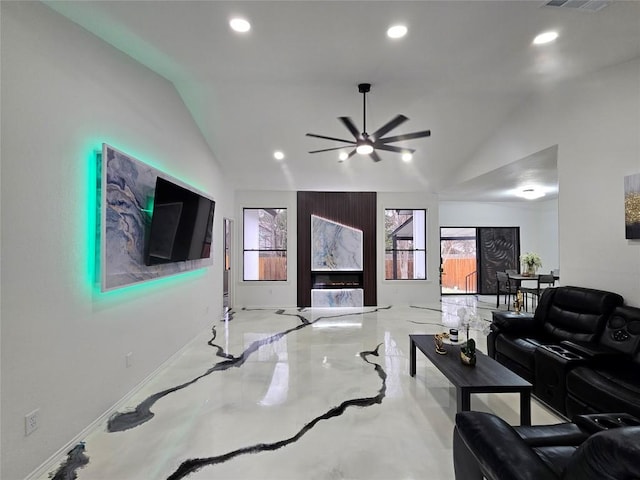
390	125
391	148
352	153
331	138
374	156
406	136
350	126
328	149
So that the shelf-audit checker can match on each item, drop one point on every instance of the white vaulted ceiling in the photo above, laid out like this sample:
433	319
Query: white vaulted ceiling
463	67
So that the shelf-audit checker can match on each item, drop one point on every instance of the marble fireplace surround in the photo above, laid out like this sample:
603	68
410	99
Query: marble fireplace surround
336	264
356	210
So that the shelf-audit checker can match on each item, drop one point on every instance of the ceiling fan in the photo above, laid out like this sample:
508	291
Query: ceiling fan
366	144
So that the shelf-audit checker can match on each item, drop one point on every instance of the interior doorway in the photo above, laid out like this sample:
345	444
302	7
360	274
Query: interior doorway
227	280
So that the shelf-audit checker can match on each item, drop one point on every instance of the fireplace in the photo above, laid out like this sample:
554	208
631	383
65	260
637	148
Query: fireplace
321	280
337	289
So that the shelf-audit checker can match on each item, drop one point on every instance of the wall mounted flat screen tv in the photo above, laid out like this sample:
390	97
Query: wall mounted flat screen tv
181	225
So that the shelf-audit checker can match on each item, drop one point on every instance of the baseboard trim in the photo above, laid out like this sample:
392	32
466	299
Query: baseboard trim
59	456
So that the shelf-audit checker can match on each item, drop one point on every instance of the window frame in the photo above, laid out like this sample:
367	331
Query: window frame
413	250
245	250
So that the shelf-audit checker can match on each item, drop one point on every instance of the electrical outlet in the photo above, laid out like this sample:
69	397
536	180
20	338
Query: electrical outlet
31	422
128	359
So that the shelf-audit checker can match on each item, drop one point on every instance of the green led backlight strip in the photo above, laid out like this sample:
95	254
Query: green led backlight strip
93	254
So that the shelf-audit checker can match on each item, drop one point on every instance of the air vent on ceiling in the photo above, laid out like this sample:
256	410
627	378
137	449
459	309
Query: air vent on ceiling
584	5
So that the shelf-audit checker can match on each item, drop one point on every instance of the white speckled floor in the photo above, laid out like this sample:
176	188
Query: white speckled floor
271	413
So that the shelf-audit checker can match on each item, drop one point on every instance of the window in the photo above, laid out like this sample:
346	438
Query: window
405	244
265	244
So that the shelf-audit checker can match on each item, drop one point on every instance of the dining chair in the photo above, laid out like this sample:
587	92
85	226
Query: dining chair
515	284
544	281
503	285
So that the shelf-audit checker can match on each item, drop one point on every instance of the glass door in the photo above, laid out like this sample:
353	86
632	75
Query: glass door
458	261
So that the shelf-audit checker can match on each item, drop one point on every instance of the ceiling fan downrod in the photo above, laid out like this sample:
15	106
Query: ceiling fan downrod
364	88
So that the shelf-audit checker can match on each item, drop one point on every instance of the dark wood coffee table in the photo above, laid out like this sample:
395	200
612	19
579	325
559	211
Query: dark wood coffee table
487	376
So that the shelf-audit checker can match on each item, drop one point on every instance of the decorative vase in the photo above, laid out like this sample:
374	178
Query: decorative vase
468	353
530	270
470	361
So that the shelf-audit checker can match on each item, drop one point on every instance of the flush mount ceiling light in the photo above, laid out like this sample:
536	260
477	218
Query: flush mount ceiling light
397	31
530	192
278	155
239	25
546	37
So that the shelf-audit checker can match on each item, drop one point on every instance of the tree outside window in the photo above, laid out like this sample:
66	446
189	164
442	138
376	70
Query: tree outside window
265	243
405	244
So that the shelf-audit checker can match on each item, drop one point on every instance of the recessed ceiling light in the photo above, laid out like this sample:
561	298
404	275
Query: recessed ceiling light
278	155
545	37
239	25
397	31
343	156
530	192
407	156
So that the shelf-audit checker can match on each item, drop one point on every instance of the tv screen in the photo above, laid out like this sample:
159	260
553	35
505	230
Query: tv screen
181	225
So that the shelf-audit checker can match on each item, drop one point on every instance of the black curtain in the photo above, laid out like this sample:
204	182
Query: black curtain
498	250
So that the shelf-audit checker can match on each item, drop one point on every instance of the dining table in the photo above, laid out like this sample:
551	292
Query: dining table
519	278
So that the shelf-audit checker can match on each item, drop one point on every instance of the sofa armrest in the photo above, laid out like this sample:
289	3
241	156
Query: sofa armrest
500	452
593	351
510	322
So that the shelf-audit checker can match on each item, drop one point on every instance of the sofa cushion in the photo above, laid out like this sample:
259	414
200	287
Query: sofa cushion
607	389
609	455
576	313
556	457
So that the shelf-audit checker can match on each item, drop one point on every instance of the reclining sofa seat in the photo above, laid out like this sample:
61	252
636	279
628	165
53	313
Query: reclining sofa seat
610	380
564	313
486	447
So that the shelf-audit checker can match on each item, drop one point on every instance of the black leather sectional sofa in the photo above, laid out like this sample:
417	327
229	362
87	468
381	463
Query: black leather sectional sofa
580	350
594	447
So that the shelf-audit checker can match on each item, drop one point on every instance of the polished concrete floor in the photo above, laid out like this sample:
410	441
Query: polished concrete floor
296	394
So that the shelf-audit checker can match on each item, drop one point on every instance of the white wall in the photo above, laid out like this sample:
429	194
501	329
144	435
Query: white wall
260	293
284	294
595	121
538	222
64	344
410	292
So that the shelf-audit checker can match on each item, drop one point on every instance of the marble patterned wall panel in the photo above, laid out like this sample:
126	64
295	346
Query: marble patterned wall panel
335	246
338	297
128	187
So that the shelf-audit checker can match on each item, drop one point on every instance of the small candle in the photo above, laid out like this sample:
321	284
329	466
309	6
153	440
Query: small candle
453	334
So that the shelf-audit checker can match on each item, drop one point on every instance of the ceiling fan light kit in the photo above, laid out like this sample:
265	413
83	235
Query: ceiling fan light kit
364	147
366	144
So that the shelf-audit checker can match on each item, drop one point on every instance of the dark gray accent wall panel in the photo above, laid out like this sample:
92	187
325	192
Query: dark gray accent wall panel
355	209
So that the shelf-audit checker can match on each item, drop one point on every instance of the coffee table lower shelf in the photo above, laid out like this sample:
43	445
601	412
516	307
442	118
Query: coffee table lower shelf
487	376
